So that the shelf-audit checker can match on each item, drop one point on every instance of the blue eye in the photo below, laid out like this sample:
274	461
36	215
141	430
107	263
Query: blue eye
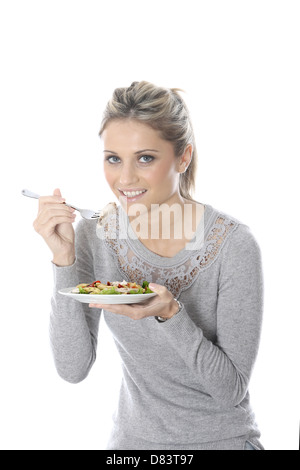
112	159
147	158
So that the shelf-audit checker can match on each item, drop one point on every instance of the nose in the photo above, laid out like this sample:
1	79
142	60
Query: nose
128	175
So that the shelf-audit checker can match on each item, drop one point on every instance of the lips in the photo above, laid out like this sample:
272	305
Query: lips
129	194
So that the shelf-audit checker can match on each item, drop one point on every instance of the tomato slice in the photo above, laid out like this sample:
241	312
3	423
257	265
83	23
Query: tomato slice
94	283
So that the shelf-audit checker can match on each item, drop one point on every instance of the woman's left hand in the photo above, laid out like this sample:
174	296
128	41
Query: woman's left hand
162	305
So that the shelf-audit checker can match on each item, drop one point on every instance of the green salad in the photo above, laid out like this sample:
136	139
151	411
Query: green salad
113	288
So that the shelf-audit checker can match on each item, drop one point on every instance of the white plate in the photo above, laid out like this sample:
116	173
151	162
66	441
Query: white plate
106	299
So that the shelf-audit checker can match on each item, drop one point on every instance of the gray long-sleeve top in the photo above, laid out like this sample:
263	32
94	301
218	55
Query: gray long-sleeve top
185	381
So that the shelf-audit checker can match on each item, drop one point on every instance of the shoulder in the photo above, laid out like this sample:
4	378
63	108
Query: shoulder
238	241
220	236
239	229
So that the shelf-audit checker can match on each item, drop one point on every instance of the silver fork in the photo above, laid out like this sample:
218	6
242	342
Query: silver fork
85	213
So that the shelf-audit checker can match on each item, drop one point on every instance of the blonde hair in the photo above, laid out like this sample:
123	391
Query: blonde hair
164	110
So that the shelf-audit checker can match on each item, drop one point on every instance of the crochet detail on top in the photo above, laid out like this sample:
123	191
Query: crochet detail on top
177	278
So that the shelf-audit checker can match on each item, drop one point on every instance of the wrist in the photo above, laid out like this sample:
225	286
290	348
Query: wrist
175	308
63	260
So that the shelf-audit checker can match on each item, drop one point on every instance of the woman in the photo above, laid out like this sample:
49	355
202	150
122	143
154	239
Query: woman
188	352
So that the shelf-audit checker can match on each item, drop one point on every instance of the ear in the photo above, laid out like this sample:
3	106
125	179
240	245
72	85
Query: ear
186	158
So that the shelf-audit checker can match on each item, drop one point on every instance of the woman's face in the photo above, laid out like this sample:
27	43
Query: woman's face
139	166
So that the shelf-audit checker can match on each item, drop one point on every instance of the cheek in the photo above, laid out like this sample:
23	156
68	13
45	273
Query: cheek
162	173
109	175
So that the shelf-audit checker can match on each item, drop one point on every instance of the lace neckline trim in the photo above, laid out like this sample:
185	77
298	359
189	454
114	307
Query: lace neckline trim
194	245
136	263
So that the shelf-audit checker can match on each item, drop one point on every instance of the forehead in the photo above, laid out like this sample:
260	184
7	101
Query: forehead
133	134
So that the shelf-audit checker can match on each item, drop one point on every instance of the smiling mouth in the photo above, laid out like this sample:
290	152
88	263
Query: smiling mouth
132	194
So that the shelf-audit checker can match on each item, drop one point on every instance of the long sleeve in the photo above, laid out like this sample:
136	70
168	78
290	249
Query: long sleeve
73	327
223	367
185	381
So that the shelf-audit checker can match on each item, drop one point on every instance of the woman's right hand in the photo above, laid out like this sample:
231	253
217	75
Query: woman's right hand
54	224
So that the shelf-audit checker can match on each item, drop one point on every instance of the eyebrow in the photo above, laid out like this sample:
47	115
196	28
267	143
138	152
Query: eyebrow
136	153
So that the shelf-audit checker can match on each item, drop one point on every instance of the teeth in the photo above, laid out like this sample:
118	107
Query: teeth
132	193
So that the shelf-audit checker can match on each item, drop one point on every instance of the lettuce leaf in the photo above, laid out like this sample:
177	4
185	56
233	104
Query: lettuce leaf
146	287
82	290
111	291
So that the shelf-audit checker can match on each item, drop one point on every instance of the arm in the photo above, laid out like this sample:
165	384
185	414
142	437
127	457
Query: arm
223	369
74	326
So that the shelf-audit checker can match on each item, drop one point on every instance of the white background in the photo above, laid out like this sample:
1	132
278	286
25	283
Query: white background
238	62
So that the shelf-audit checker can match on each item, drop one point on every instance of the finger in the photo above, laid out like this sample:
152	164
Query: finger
50	200
47	228
112	307
146	304
160	290
56	207
126	310
57	192
47	214
96	306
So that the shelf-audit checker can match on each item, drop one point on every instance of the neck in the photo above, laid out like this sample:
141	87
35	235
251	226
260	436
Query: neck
175	219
